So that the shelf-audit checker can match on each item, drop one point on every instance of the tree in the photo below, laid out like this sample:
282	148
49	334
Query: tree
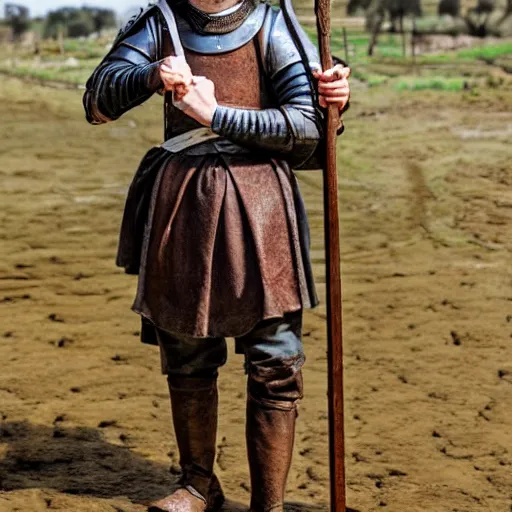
102	18
485	6
505	23
396	9
354	6
449	7
18	18
78	22
478	16
80	26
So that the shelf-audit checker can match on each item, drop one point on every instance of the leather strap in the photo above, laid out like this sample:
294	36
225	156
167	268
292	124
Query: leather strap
189	139
300	39
171	25
264	36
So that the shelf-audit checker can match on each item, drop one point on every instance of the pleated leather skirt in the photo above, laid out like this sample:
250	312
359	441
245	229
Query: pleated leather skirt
225	245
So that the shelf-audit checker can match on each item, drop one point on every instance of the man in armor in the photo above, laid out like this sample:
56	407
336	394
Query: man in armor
214	223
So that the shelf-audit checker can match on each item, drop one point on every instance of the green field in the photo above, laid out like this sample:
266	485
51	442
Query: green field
465	68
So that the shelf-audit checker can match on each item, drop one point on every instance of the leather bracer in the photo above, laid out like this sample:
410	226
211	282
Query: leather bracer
127	76
291	130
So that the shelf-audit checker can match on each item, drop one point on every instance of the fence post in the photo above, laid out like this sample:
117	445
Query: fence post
345	44
413	43
60	38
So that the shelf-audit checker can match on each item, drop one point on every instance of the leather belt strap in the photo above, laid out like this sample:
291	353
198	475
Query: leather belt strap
189	139
172	26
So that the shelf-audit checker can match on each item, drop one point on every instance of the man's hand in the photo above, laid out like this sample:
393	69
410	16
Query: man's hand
199	102
176	75
333	86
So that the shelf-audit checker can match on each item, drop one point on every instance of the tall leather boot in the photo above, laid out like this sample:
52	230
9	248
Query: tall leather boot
270	433
194	404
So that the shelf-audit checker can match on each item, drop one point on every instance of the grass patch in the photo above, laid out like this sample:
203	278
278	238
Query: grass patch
371	78
488	52
375	80
85	49
438	83
58	73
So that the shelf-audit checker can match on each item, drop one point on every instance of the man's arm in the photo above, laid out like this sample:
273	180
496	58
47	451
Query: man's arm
299	104
127	76
293	129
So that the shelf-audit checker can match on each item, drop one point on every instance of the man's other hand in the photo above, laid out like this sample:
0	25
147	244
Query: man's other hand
199	102
333	86
175	74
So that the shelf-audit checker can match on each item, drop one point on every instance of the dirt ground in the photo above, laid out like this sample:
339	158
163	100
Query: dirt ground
426	210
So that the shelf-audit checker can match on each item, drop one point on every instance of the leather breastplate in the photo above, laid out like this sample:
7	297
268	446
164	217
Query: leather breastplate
238	83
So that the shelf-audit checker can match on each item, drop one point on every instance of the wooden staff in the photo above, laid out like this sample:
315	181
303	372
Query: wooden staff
333	277
332	253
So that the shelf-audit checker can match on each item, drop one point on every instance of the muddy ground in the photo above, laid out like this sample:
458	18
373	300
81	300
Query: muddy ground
426	210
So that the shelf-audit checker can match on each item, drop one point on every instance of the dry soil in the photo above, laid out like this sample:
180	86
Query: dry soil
426	210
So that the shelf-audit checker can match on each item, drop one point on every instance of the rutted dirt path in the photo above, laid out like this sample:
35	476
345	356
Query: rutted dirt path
426	204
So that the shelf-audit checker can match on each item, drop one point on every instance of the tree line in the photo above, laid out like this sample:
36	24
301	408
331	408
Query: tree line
413	7
68	21
476	18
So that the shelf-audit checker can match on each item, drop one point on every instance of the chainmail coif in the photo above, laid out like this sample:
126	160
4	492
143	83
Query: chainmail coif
204	23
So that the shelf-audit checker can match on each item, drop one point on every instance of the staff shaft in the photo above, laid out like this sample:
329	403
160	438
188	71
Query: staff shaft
332	255
333	280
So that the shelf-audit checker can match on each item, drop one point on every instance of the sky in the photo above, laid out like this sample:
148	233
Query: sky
39	7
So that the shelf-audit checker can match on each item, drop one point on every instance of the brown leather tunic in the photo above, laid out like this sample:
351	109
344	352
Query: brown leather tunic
222	246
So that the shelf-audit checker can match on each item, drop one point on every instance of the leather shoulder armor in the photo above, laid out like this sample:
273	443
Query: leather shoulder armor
280	48
133	23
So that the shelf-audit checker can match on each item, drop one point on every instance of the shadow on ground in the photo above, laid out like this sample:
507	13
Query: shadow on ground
78	461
